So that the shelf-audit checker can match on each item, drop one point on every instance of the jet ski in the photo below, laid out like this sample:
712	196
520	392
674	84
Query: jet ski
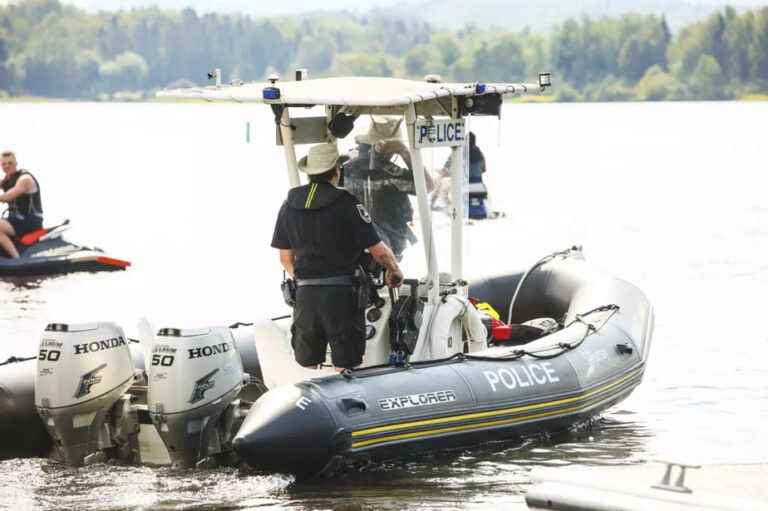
45	252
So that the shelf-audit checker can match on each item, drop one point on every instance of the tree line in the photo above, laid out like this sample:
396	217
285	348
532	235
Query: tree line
51	49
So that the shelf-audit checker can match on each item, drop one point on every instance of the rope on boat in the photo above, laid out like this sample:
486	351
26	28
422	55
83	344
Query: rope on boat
544	260
515	354
591	329
13	360
276	318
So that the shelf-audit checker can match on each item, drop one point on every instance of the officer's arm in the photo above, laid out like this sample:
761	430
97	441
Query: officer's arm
23	186
384	256
286	259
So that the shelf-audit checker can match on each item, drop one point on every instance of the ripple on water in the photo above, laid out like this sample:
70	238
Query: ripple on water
42	485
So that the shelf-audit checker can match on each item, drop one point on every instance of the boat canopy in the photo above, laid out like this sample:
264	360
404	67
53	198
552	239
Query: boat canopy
434	113
365	94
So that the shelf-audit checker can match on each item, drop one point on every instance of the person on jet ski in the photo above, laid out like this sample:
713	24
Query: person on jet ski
21	192
382	185
322	231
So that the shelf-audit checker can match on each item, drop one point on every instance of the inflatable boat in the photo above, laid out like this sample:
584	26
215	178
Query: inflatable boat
489	390
447	364
591	360
45	252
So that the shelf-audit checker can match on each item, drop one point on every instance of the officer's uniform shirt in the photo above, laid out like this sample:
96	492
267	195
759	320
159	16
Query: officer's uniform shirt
326	227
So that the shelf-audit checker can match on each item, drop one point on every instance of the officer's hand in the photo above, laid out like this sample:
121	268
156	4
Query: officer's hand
391	147
394	278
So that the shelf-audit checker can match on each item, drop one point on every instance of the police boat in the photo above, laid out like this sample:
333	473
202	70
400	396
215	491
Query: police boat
45	252
448	363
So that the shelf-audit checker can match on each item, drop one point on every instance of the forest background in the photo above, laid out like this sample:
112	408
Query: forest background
49	49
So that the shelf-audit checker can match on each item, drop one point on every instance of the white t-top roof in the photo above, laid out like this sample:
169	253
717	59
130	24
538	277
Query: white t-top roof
348	91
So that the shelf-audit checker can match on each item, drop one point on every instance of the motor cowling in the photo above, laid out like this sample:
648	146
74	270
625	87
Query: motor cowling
83	373
194	379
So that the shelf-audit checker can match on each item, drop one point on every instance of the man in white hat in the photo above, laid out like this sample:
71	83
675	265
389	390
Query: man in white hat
321	232
383	185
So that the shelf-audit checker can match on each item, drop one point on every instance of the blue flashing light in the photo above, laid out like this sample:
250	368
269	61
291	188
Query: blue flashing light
271	93
480	88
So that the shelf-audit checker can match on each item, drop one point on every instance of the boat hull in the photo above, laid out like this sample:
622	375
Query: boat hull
21	429
379	414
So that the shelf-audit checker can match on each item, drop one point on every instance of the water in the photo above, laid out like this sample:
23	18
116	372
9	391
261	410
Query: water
668	196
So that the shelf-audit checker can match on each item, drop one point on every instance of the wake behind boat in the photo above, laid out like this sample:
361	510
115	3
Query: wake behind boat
45	252
447	363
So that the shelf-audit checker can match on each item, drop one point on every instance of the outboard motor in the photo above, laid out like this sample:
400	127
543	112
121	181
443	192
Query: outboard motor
194	378
83	373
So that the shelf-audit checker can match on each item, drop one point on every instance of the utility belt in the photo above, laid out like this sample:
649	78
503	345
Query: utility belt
342	280
359	283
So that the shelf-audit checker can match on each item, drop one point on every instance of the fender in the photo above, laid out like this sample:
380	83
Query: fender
452	318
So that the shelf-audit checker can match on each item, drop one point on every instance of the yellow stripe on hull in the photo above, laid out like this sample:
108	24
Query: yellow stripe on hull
481	415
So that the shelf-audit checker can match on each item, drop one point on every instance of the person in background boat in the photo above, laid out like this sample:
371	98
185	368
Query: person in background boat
21	192
441	198
382	185
322	231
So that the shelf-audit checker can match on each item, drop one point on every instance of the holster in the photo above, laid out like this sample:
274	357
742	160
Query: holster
362	288
288	287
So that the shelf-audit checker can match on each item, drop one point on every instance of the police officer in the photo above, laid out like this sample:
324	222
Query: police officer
382	185
25	208
321	232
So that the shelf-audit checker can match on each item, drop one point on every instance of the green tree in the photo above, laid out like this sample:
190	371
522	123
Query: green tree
127	71
758	51
422	60
658	85
448	47
500	59
316	53
707	80
361	64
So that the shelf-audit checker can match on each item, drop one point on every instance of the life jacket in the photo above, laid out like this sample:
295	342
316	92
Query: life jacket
27	203
476	165
320	247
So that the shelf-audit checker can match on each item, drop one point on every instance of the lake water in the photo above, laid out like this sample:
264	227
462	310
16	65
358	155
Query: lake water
668	196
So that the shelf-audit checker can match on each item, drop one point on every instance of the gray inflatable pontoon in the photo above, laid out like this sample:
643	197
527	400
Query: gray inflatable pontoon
504	392
547	385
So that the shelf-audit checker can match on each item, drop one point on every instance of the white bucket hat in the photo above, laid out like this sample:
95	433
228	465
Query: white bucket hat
382	129
321	158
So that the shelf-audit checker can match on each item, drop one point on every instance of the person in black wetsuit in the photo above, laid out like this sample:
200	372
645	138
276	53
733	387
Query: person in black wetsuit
321	232
21	192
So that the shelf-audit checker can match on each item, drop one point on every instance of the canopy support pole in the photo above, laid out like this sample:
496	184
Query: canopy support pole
425	212
290	149
457	212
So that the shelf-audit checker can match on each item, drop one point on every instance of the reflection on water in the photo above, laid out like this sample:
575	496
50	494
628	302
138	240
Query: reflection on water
622	189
